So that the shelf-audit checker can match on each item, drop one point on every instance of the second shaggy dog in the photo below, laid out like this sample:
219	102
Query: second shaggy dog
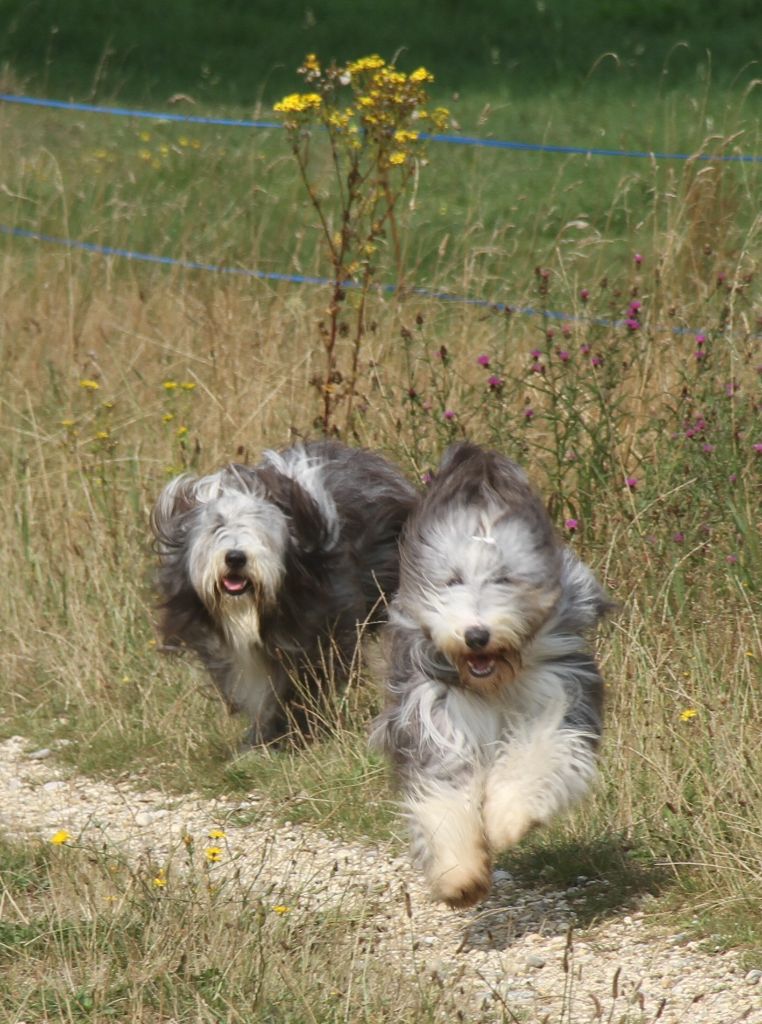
267	572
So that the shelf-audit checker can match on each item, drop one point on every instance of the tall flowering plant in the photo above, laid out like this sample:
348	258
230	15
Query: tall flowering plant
374	118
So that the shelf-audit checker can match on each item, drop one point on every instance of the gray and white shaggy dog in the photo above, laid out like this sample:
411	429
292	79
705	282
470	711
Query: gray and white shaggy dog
493	698
267	572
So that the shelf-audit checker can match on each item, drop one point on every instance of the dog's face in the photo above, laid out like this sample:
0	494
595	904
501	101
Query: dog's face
232	540
480	583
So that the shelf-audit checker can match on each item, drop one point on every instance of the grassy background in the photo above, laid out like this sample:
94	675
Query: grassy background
678	808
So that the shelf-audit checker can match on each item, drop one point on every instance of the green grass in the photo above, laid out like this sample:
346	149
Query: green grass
239	53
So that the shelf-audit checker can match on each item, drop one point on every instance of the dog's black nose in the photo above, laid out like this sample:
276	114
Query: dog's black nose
235	559
476	637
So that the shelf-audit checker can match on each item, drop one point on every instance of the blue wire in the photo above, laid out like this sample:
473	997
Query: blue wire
266	275
458	140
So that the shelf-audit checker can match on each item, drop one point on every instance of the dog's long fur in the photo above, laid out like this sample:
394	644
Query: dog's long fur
266	571
494	700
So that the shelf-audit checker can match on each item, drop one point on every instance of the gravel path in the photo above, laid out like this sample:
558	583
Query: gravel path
512	951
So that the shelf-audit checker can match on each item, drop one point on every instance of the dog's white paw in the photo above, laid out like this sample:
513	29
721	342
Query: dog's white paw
506	822
464	885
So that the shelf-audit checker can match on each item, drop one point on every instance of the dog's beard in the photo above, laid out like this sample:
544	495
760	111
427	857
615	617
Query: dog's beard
237	598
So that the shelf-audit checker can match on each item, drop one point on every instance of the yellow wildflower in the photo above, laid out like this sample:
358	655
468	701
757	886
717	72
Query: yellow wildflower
687	714
421	75
402	136
216	833
188	385
144	136
89	385
311	63
281	909
168	417
145	154
182	431
161	880
169	385
299	103
213	854
68	423
62	836
102	435
395	159
372	63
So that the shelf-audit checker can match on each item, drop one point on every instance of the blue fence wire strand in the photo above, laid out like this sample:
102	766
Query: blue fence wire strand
268	275
457	140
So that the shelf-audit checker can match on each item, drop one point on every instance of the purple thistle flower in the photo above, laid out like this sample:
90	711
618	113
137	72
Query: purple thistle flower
584	294
584	349
631	483
757	448
709	448
495	383
535	353
538	368
635	305
426	478
483	360
638	259
596	360
449	414
563	356
678	537
731	559
699	354
632	324
571	524
700	340
528	414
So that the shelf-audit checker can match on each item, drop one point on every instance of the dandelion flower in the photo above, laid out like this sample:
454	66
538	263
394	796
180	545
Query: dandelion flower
188	385
169	385
216	833
281	909
61	836
213	854
160	881
687	714
89	385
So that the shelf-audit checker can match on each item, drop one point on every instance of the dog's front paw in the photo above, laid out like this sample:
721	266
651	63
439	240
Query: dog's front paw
464	885
505	825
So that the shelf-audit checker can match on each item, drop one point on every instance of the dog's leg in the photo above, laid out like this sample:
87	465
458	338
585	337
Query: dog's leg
257	687
541	770
448	841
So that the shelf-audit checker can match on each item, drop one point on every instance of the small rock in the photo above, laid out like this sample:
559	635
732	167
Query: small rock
143	818
535	961
753	977
498	875
40	755
53	785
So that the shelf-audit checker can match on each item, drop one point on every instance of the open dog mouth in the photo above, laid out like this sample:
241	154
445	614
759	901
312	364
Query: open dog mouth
235	585
480	666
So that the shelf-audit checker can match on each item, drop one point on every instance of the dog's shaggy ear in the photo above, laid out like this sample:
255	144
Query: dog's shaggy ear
177	498
307	526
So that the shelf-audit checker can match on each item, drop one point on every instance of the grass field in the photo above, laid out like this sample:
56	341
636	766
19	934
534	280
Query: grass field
119	374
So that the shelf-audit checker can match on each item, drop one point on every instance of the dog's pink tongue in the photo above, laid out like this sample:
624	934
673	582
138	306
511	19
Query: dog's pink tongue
234	584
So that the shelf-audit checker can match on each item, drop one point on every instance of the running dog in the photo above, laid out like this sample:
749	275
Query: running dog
268	572
493	698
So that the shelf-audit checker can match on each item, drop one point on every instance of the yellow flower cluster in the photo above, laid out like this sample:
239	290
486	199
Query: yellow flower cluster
384	104
299	103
